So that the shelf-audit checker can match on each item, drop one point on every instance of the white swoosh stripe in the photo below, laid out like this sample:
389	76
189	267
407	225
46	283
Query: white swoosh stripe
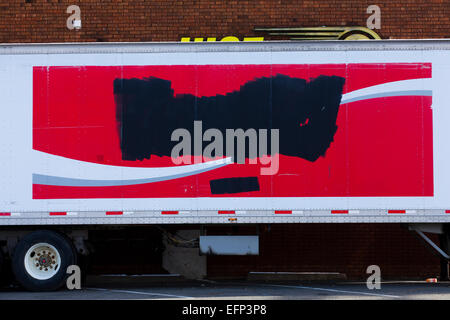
412	87
56	170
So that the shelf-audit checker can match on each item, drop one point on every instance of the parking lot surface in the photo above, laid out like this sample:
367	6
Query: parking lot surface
124	288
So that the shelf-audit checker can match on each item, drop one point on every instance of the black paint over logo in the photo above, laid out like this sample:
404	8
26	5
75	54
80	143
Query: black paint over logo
305	113
234	185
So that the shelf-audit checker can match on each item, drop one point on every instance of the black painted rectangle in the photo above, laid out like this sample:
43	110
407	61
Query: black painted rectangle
234	185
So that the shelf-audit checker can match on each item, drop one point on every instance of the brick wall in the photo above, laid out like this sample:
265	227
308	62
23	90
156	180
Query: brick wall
345	248
164	20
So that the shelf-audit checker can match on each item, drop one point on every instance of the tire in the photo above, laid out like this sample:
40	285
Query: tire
41	259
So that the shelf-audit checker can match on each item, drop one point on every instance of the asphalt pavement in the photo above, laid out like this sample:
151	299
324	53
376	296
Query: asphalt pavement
163	287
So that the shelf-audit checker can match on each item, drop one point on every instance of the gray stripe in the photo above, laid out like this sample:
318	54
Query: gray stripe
71	182
390	94
257	47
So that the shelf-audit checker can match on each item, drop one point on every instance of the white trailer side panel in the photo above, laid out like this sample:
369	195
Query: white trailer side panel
424	198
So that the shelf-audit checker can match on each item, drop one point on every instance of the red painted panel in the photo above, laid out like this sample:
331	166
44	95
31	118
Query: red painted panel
382	147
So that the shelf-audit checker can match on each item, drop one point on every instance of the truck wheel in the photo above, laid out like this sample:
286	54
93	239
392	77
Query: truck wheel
41	259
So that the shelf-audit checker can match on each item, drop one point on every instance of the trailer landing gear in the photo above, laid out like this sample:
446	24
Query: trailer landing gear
41	259
444	240
443	230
